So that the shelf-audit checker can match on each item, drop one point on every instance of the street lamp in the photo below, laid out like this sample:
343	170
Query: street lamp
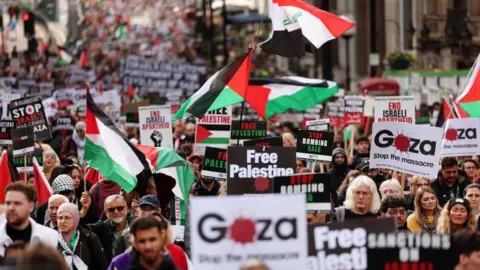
347	36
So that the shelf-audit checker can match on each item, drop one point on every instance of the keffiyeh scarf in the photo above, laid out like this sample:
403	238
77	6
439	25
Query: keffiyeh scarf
70	257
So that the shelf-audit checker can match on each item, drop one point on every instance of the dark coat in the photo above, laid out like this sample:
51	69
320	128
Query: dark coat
445	193
90	217
90	250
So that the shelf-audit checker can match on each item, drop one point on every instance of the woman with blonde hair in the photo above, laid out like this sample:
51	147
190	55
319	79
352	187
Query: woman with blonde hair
427	211
415	183
456	215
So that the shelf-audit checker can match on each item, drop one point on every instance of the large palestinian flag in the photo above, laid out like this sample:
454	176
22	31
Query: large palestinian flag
109	152
286	93
226	87
469	99
298	27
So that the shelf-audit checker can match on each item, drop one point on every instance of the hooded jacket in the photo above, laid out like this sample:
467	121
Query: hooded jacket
338	172
444	192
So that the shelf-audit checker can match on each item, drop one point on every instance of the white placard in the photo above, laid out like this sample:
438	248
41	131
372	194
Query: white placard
395	109
461	138
318	125
6	99
228	231
413	149
213	130
155	126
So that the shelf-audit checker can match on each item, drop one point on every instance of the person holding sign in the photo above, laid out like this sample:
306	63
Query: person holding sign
456	215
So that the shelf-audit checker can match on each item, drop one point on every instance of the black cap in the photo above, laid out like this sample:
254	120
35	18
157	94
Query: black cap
149	200
364	164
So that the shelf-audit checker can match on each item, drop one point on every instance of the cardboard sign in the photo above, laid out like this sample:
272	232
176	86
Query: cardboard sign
316	145
265	142
155	126
461	138
228	231
395	109
6	99
344	245
22	140
247	130
28	112
316	187
213	130
63	126
6	127
215	163
407	148
318	125
18	162
251	169
333	114
354	110
422	117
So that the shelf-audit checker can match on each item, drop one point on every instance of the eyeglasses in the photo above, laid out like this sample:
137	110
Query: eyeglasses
118	208
397	212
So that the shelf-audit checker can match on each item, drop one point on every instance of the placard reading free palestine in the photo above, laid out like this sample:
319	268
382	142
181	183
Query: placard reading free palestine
247	130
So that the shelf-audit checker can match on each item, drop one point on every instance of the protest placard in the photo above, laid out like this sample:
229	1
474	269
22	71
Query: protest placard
22	140
155	126
316	187
6	127
213	130
412	149
247	130
265	142
22	163
251	169
461	138
353	114
315	145
215	163
228	231
132	119
63	126
395	109
344	245
318	125
28	112
422	117
174	76
333	114
7	97
369	106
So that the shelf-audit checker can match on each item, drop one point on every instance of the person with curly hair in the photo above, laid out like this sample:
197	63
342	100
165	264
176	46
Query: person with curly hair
456	215
427	211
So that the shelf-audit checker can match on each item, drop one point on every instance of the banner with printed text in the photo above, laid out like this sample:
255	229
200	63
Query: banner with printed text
265	142
318	125
6	127
213	130
215	163
251	169
155	126
22	141
335	114
315	145
28	112
395	109
63	126
247	130
412	149
461	138
228	231
354	110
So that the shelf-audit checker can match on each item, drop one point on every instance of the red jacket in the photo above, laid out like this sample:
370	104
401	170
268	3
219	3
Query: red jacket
178	256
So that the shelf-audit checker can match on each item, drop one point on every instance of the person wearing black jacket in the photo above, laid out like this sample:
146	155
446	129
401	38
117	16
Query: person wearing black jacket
450	182
363	151
339	168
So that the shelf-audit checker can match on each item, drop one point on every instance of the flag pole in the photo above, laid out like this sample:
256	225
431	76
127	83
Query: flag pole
25	168
241	118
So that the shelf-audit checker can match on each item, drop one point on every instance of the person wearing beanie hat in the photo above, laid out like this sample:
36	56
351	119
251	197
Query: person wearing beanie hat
82	249
339	169
456	215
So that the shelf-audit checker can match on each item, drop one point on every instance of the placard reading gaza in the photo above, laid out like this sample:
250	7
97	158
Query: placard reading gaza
316	187
228	231
155	126
251	169
265	142
395	109
247	130
316	145
28	112
215	163
412	149
461	138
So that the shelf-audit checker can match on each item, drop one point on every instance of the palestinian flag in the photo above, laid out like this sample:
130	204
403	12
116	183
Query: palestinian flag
446	112
286	93
226	87
469	99
6	178
42	187
109	152
298	27
63	57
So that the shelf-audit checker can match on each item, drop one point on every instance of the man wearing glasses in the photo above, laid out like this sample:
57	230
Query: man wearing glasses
110	230
395	207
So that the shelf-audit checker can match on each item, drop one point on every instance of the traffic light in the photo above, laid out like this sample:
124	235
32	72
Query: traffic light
28	24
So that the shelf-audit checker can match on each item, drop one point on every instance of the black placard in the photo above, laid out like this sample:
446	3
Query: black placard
422	117
29	112
215	163
248	130
315	145
132	119
6	127
265	142
63	126
18	162
22	140
251	169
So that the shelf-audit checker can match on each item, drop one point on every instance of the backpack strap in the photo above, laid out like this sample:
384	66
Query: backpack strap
340	214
